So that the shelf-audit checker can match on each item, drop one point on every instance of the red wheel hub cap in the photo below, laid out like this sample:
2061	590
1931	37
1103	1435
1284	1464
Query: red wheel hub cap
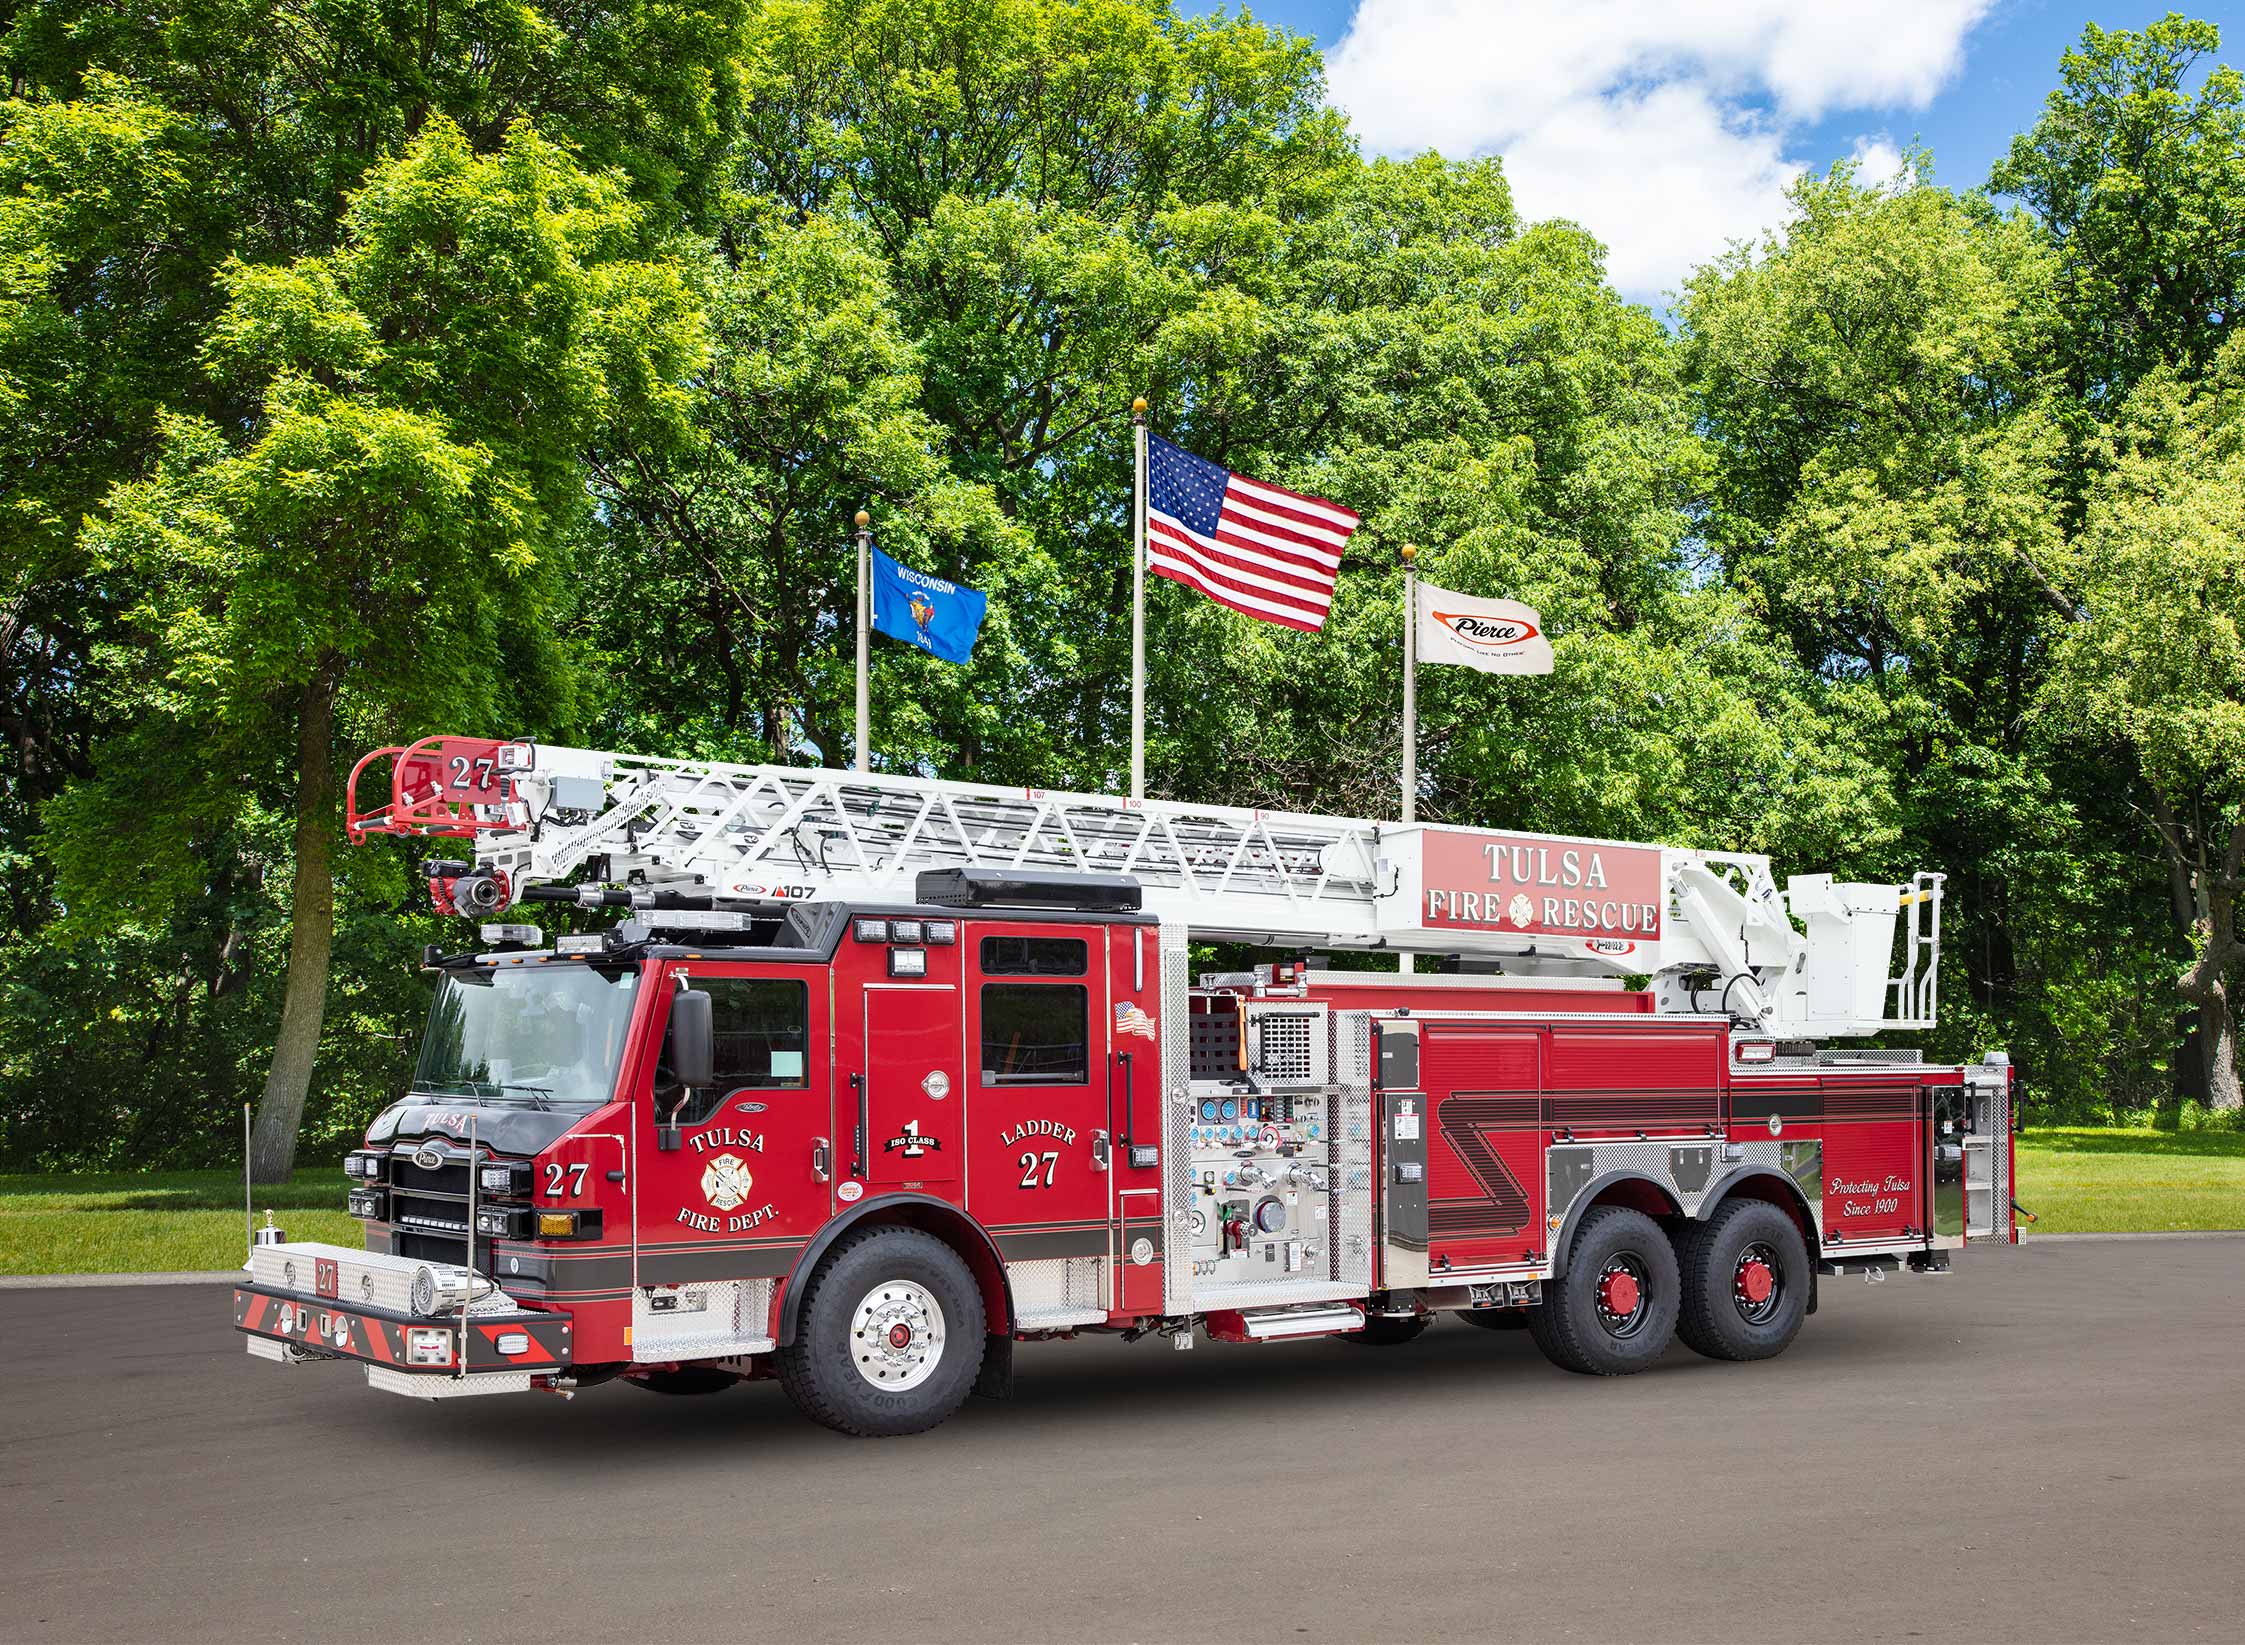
900	1336
1755	1281
1619	1293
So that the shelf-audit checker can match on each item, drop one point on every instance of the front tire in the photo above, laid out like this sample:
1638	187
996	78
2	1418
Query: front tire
890	1336
1614	1310
1746	1283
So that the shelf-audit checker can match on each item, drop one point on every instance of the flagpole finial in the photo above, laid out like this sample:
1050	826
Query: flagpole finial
1409	552
863	519
1138	406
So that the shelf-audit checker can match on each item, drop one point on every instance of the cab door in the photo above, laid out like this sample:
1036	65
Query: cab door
747	1182
1039	1151
1134	1104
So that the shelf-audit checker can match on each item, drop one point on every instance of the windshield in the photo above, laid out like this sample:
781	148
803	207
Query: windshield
549	1036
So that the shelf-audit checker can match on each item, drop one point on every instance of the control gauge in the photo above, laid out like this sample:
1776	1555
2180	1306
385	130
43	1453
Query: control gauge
1208	1109
1270	1214
1231	1109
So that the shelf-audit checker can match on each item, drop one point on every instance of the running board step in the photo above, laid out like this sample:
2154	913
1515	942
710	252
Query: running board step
1270	1324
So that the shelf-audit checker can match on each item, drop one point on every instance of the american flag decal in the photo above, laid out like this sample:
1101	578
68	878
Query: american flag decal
1129	1019
1260	549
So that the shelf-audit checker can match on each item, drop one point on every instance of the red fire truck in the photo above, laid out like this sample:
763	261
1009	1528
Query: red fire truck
870	1077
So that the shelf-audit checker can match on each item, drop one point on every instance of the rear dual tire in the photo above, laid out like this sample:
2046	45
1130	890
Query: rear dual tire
1746	1282
1615	1308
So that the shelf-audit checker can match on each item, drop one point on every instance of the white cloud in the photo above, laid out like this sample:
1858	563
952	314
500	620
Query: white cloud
1660	125
1877	161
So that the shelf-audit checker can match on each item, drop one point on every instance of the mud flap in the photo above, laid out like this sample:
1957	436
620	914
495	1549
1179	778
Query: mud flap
995	1379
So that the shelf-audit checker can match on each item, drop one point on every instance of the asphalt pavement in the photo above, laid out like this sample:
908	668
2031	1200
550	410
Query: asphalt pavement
2046	1446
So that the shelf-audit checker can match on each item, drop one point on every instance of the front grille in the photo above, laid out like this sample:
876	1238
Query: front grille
449	1178
432	1200
425	1247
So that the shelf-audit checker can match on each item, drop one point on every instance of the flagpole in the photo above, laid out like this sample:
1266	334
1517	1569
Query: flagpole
1138	604
1410	554
864	632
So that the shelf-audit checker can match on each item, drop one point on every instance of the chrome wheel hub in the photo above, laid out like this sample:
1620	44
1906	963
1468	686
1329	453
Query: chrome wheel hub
896	1335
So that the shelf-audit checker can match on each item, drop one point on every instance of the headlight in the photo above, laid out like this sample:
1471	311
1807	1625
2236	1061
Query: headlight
506	1177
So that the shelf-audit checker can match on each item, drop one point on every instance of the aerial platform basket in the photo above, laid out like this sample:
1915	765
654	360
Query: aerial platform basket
440	788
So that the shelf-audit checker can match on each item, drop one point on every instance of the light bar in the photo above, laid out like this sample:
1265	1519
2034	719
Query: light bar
500	936
696	919
582	942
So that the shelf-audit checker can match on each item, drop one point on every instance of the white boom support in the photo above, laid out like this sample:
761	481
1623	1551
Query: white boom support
1712	929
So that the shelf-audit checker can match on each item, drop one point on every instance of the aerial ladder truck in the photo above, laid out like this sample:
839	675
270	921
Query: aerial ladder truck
856	1080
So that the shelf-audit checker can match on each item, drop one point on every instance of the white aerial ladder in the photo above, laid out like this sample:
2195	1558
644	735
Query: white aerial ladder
1711	930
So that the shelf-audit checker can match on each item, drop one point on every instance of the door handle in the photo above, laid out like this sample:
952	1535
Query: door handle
859	1143
822	1160
1099	1150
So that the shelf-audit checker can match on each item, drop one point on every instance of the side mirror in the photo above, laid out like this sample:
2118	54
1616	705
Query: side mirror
692	1054
690	1050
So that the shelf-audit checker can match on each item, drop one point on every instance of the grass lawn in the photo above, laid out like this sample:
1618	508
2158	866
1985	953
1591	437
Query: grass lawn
2107	1181
2076	1181
159	1220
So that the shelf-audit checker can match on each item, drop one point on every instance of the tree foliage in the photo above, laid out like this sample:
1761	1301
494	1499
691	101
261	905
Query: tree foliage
371	370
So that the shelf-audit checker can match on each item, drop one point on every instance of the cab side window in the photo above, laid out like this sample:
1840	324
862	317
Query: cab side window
762	1033
1035	1033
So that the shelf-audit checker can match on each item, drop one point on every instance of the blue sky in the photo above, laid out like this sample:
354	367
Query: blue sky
1670	127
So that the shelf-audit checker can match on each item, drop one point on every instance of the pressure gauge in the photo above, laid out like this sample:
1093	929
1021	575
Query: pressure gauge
1231	1109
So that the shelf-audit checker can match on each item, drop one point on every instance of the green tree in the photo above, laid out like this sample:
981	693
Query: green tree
2159	667
384	544
2140	185
1881	386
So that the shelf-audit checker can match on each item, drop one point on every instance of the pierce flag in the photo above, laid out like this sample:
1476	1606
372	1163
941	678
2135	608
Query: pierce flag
1495	636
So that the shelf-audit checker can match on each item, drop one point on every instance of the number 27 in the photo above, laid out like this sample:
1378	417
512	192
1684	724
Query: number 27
554	1171
1030	1163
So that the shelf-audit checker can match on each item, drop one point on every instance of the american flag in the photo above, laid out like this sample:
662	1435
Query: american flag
1260	549
1130	1019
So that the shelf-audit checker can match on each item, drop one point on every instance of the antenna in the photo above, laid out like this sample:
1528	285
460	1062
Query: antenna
249	1217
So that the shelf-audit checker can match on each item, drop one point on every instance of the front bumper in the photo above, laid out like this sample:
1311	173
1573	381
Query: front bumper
307	1301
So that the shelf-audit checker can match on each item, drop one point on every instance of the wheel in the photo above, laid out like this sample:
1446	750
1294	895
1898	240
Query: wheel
1746	1282
1387	1331
687	1379
1496	1319
1614	1309
890	1335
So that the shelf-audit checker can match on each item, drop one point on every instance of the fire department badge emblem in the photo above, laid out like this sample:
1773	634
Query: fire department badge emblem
1521	910
726	1183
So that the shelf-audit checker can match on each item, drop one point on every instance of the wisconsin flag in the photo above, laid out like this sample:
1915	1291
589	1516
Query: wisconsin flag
939	617
1495	636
